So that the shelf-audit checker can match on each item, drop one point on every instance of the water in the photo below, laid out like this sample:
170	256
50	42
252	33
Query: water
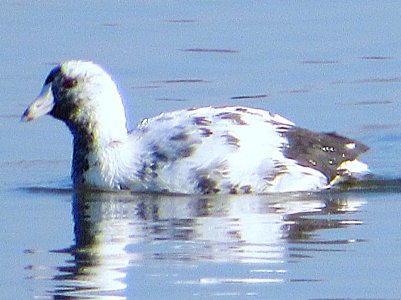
326	66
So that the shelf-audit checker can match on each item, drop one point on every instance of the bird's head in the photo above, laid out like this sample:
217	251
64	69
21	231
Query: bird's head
81	94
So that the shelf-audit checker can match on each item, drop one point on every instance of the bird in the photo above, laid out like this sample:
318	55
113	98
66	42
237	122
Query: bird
205	150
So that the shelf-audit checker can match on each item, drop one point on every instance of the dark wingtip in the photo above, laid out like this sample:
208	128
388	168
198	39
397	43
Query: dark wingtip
321	151
348	143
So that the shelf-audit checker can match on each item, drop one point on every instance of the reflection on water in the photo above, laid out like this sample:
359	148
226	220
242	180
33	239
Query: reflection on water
116	231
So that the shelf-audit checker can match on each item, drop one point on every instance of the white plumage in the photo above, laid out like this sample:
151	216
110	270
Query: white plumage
205	150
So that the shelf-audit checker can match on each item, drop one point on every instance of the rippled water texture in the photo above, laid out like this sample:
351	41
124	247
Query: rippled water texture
329	66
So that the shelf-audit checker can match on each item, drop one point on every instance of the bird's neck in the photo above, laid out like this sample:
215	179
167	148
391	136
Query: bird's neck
83	147
99	127
96	146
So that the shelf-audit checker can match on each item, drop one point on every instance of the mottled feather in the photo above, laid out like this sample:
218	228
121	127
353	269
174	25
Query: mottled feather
198	150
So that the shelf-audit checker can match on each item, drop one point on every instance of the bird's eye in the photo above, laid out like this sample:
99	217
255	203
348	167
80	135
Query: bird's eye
69	83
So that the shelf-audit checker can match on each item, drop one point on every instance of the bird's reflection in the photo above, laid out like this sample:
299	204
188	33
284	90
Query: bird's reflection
114	231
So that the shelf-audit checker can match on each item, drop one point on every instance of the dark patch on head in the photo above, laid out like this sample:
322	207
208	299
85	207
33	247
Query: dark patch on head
69	82
234	117
321	151
66	107
207	185
65	110
205	132
202	121
53	73
231	140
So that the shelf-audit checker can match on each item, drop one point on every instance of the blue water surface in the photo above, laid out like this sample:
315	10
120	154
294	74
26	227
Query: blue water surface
328	66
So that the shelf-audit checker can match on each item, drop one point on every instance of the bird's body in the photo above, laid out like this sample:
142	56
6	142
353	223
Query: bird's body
204	150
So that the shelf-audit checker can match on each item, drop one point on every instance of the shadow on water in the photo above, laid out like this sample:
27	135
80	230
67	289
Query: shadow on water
116	231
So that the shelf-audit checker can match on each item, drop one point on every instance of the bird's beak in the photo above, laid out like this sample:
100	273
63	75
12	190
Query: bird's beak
42	105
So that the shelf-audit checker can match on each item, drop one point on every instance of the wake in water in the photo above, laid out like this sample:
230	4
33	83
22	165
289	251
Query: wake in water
369	184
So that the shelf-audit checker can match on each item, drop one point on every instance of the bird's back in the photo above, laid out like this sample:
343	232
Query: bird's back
223	150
